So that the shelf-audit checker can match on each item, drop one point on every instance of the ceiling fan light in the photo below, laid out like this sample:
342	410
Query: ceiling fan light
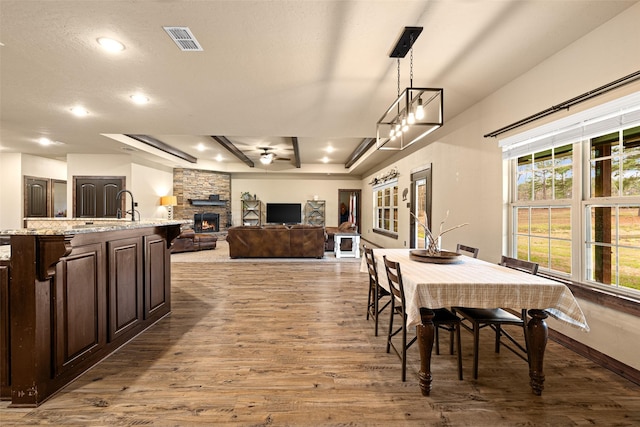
266	158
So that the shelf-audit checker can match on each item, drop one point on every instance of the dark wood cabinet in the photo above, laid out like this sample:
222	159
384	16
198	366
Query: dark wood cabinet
76	298
36	197
80	322
125	285
5	367
95	197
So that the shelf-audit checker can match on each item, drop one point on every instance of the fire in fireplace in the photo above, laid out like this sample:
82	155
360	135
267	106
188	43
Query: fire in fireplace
206	222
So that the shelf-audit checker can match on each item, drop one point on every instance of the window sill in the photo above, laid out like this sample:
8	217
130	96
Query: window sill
609	299
386	233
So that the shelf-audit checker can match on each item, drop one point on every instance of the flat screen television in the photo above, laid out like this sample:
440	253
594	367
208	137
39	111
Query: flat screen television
284	213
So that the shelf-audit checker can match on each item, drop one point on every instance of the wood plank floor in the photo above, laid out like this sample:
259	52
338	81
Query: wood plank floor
264	343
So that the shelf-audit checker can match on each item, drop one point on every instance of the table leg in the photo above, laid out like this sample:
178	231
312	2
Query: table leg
425	332
537	335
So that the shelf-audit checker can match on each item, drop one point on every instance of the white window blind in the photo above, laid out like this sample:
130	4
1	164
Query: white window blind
609	117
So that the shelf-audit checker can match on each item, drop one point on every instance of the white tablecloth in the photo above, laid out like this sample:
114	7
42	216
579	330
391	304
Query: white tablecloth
476	283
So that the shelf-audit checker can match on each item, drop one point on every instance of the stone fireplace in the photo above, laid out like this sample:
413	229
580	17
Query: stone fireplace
207	222
203	192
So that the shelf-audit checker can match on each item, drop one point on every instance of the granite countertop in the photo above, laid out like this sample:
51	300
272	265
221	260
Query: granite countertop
71	226
81	226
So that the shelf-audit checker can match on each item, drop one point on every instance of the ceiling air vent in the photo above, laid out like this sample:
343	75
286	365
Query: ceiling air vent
183	38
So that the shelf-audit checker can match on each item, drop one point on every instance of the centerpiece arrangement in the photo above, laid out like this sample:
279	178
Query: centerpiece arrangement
433	252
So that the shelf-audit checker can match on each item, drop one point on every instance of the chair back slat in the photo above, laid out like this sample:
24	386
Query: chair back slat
469	249
519	264
371	264
394	277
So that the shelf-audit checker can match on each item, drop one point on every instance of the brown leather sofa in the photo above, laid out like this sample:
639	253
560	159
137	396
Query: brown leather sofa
276	241
189	241
345	227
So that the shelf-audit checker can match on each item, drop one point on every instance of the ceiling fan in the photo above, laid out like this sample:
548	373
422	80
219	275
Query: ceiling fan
267	156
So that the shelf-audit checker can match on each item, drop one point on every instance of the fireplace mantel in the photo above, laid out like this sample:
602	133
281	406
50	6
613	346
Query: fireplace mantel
206	202
213	200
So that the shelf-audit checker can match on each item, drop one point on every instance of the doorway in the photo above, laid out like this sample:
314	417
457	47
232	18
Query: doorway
420	207
350	199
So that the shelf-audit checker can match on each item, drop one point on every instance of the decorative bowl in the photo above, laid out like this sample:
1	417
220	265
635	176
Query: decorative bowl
442	257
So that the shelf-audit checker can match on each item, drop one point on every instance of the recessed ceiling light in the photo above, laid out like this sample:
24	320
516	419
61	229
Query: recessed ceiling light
79	111
201	147
139	98
219	157
110	44
325	159
329	149
45	141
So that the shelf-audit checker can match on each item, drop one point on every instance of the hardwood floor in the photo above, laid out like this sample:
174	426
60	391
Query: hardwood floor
267	343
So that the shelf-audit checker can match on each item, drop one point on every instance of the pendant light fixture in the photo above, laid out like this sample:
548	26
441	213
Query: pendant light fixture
416	112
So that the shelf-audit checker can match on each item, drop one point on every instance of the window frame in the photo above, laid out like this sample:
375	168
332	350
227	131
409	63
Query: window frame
392	207
579	204
549	203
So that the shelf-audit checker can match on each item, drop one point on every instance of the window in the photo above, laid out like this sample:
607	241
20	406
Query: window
615	164
575	208
613	245
542	210
612	225
385	205
543	235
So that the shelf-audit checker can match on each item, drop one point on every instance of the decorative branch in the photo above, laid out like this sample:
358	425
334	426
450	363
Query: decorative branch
432	246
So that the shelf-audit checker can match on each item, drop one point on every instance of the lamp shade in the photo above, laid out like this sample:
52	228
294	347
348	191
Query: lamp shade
168	200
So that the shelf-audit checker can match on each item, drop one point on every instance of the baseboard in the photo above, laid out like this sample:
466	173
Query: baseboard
597	357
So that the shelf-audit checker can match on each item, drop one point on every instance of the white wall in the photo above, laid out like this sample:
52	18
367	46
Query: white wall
148	185
11	206
42	167
272	188
13	168
467	168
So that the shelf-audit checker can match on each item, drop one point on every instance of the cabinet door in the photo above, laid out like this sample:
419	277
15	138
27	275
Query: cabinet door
96	197
36	197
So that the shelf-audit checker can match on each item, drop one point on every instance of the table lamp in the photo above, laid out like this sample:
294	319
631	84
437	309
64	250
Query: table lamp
169	202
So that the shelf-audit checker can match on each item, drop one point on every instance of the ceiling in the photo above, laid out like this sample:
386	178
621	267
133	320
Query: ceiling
270	72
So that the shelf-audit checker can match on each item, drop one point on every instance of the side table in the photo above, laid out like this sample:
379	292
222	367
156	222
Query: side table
355	245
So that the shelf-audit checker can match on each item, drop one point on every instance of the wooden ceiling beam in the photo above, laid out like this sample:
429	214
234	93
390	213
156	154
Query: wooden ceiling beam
224	141
296	151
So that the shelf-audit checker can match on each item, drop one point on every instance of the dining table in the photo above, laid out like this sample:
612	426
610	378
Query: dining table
469	282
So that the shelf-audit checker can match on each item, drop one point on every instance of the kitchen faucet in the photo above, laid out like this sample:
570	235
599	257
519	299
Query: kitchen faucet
133	204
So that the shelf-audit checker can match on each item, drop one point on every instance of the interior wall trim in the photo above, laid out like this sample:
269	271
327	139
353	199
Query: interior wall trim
596	356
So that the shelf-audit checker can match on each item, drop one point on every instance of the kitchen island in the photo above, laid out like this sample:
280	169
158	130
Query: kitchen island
71	293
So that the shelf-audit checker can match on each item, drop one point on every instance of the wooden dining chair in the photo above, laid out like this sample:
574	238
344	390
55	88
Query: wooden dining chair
376	292
464	249
496	318
443	319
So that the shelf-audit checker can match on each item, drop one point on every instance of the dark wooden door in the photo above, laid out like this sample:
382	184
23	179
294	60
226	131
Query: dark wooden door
95	197
36	197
